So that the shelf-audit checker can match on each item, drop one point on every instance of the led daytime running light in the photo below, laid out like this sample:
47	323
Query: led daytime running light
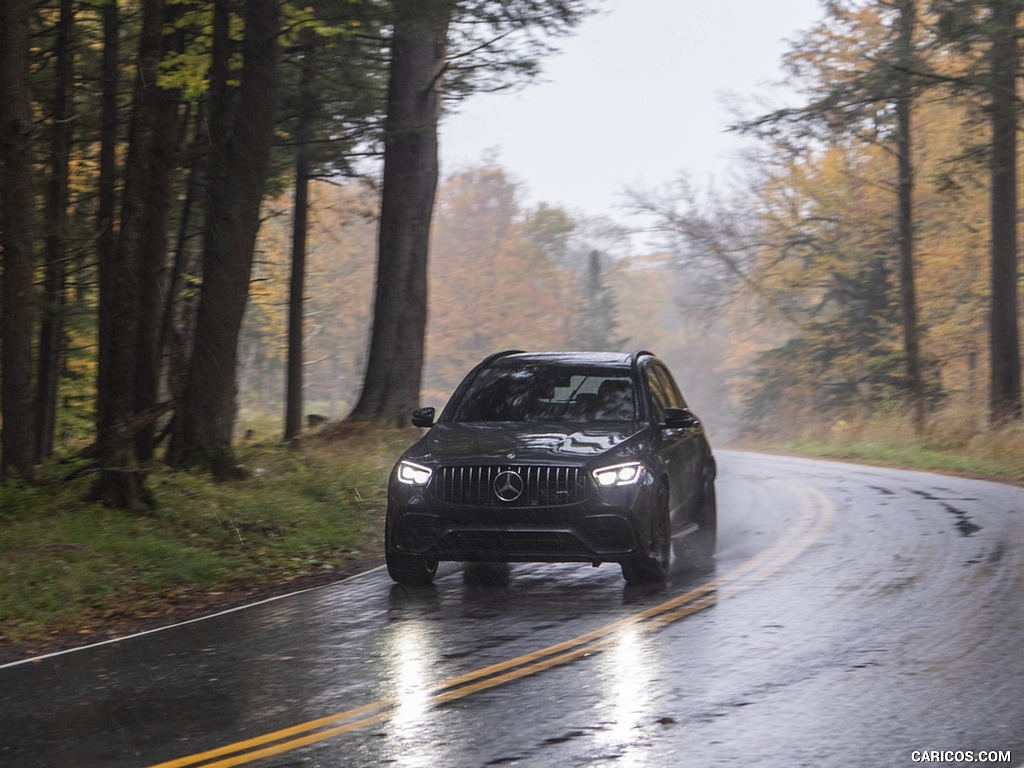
619	474
413	474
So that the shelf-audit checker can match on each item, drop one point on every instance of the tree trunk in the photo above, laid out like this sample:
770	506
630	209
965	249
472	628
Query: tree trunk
17	204
152	247
51	335
235	191
107	194
296	307
1005	399
908	293
178	317
120	481
221	100
395	365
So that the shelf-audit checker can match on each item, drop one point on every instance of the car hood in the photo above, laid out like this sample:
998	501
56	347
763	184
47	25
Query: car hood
481	443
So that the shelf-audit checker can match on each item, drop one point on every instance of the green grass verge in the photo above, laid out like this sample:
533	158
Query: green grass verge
912	457
956	439
67	567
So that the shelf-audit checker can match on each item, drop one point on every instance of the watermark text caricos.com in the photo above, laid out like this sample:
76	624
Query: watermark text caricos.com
960	756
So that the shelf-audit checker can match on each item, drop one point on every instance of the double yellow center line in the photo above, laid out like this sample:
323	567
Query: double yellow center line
816	512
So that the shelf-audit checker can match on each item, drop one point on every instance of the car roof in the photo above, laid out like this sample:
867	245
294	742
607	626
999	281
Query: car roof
603	359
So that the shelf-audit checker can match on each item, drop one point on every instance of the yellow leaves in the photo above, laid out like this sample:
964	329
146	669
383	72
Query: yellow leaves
186	71
340	270
300	18
828	224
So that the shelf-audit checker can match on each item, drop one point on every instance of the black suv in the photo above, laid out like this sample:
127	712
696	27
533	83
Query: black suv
556	457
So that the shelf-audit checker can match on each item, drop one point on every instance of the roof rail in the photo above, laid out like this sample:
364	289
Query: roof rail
635	357
491	358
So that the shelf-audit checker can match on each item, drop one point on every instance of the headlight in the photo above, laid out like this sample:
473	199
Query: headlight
620	474
413	474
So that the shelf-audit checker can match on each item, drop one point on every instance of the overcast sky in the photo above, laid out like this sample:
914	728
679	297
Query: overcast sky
636	95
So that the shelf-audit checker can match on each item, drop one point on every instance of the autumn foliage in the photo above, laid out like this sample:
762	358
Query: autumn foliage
780	300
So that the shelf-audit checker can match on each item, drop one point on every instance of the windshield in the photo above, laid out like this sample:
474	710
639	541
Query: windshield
548	393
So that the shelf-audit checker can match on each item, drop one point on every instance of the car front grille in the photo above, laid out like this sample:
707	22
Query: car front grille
510	485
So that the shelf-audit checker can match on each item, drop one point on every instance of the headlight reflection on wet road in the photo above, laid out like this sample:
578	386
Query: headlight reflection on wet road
628	673
409	666
416	696
410	674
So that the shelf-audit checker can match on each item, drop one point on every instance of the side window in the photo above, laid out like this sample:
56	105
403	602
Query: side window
675	398
664	392
659	397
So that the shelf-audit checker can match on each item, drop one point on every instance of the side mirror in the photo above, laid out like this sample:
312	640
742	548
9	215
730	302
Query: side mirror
679	418
423	417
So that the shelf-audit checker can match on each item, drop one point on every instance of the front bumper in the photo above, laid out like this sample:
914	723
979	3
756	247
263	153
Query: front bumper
609	527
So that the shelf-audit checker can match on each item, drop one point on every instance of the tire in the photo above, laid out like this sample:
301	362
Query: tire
412	570
652	567
696	551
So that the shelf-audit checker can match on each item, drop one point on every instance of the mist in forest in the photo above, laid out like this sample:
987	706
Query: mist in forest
502	276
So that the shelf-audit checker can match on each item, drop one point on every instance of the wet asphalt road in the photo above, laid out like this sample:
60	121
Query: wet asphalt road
855	617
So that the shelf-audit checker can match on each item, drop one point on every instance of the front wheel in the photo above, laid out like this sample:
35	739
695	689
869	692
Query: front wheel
413	570
653	566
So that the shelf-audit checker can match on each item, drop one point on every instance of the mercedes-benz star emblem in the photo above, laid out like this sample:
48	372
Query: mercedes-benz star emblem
508	485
